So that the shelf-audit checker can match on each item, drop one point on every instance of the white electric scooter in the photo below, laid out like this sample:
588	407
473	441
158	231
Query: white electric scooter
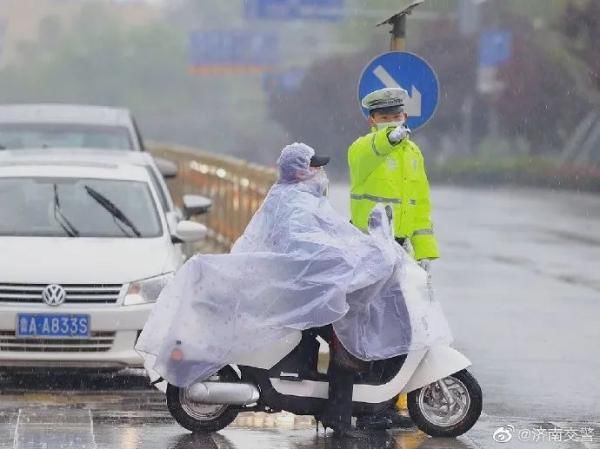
444	399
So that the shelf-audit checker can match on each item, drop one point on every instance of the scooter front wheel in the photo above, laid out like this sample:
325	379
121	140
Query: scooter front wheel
448	407
201	418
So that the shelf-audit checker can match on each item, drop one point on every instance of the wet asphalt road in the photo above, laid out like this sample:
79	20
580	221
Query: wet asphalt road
519	282
129	418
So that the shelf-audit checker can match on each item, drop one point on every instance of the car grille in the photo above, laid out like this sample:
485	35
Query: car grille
98	342
76	293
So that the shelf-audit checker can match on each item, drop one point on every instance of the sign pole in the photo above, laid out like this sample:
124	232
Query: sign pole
398	23
398	41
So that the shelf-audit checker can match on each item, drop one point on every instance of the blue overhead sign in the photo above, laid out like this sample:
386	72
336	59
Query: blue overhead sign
295	9
495	48
287	81
233	49
406	70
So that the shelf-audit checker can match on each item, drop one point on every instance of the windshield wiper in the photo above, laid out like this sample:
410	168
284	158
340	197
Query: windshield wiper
112	209
60	218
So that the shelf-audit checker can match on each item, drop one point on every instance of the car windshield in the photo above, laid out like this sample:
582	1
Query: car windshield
63	135
77	208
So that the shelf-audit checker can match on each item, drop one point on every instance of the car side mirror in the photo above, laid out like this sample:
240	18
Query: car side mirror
189	231
195	205
166	168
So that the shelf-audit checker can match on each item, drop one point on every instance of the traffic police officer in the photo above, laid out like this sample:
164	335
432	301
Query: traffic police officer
387	167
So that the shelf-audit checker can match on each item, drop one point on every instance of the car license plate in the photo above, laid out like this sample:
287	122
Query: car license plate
52	326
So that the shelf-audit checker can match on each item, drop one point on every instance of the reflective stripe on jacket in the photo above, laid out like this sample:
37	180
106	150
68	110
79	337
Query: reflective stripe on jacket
394	174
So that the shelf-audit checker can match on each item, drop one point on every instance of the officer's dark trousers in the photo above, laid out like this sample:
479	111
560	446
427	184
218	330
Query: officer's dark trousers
341	373
339	408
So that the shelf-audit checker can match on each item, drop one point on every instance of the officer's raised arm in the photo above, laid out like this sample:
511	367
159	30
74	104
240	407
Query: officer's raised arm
386	118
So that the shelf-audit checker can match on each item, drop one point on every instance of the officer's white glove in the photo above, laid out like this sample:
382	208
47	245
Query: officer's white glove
399	134
425	264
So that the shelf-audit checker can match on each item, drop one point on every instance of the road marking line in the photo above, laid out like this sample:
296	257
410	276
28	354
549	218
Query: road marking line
15	438
42	422
92	428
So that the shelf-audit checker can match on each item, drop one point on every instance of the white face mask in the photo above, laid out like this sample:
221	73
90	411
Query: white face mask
386	125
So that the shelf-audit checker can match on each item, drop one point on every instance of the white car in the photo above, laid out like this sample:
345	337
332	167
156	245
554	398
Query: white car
87	245
73	126
68	126
68	156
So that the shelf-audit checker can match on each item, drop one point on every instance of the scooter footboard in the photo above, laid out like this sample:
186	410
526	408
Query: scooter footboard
420	368
376	394
438	362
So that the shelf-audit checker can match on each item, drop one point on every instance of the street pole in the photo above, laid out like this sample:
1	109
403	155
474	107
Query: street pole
398	41
398	23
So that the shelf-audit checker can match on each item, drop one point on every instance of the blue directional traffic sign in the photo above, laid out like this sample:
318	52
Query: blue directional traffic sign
412	73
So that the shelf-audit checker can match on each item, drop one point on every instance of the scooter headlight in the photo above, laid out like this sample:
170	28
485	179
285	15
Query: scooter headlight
146	291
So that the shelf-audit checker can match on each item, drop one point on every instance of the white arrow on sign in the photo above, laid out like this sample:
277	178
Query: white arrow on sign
413	104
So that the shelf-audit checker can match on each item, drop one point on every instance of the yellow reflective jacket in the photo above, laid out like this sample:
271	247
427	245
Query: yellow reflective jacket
392	174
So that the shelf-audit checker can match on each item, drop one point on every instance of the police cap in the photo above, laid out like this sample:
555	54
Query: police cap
388	100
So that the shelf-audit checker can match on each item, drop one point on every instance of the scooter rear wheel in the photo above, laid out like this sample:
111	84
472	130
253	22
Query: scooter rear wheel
431	411
201	418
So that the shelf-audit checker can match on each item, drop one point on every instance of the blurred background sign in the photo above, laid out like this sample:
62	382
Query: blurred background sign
495	49
295	9
3	26
288	81
406	70
233	51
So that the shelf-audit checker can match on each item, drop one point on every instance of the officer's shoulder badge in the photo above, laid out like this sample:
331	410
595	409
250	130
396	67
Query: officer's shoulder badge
391	163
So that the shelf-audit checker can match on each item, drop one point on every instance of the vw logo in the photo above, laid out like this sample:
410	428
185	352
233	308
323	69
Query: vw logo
54	295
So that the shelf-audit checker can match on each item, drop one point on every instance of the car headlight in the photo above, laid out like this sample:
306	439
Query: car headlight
146	291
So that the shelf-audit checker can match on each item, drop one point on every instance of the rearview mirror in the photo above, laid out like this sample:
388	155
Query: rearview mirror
195	205
189	231
166	168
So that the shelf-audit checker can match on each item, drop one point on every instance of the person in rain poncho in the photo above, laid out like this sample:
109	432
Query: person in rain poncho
298	265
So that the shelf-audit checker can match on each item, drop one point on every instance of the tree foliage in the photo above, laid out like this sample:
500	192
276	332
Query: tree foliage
324	111
107	64
580	24
537	105
540	101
